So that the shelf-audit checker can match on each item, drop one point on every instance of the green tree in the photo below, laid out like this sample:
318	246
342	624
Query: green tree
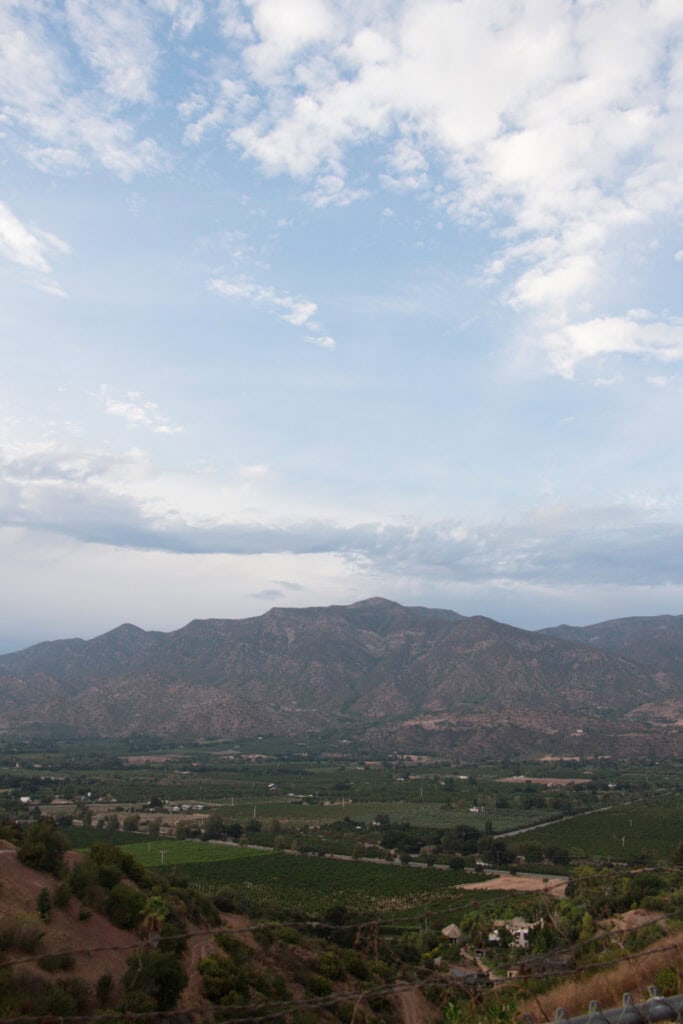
154	914
124	906
158	975
476	927
43	847
214	827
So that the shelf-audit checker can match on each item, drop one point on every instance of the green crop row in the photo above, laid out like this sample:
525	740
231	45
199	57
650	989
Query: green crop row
649	832
311	885
161	852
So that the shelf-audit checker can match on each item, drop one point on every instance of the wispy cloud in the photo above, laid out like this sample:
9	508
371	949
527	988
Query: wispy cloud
138	412
30	247
117	42
185	14
254	471
554	125
322	341
55	119
295	311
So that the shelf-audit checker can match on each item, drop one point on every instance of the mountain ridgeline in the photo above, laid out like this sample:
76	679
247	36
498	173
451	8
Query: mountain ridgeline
390	677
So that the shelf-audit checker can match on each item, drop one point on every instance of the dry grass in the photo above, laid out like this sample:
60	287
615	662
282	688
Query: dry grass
608	987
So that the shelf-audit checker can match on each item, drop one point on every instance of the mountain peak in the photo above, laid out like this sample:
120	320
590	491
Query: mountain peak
375	602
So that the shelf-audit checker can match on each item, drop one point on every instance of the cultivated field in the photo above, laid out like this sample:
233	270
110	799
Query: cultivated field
311	885
650	832
160	852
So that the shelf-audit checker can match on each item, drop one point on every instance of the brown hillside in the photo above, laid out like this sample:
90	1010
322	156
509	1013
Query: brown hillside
405	677
98	946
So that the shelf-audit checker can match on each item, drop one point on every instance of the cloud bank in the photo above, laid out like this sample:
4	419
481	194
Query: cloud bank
95	496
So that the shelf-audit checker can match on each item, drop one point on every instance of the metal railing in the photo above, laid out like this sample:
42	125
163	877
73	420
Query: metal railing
656	1008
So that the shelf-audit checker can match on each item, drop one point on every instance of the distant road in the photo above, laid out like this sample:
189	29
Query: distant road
547	824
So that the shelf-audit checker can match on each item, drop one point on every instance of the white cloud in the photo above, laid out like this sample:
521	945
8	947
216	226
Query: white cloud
283	29
58	121
332	190
230	99
138	412
324	341
297	312
28	246
96	496
116	40
185	14
574	343
554	124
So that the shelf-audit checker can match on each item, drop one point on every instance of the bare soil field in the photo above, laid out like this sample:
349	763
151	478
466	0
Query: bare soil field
522	883
544	781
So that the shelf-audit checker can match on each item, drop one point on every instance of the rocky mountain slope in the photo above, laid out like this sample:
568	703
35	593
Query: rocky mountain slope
404	676
654	641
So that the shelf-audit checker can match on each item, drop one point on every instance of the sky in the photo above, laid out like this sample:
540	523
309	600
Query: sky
305	301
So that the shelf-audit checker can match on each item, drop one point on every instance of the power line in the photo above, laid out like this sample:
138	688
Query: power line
276	1010
323	927
314	925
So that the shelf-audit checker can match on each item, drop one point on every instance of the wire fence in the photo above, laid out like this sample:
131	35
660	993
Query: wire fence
656	1008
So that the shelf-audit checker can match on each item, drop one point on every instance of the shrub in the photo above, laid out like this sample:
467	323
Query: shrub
317	985
637	940
124	906
285	933
44	904
62	895
331	966
222	982
68	997
238	952
83	879
356	965
20	933
109	875
157	974
103	989
666	981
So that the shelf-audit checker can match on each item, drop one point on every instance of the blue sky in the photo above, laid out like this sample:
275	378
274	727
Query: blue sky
309	300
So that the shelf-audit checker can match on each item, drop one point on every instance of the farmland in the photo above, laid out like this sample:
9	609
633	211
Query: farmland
188	852
420	813
311	885
281	795
646	832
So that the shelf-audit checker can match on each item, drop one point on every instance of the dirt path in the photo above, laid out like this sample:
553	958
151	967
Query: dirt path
413	1008
198	947
556	821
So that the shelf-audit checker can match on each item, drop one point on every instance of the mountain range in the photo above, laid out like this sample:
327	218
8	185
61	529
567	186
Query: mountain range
391	677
